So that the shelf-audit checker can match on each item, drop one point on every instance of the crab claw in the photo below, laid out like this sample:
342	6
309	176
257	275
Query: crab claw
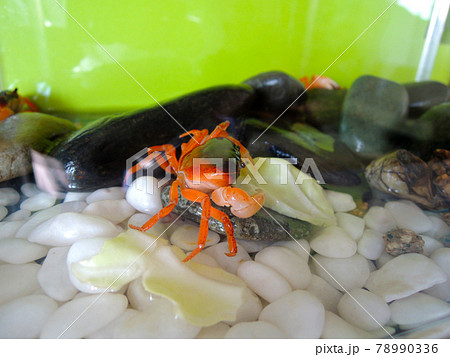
242	204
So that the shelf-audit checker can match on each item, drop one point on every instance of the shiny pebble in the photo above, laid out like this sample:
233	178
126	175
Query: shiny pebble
379	219
371	245
76	196
115	211
25	317
298	314
328	295
9	229
18	280
20	251
341	202
140	299
301	247
19	215
439	228
81	317
216	331
288	264
409	216
405	275
54	275
8	196
430	245
230	264
253	246
145	195
66	228
30	189
112	330
254	329
353	225
3	212
37	202
337	328
333	242
110	193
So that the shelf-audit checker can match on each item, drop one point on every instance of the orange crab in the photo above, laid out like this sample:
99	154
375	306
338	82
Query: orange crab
11	102
204	180
319	82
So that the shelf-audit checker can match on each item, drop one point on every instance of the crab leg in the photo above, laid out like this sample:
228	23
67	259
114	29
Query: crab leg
193	195
222	217
242	204
173	194
143	164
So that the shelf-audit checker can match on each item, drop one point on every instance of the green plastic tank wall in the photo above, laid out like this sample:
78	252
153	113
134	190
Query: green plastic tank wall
173	47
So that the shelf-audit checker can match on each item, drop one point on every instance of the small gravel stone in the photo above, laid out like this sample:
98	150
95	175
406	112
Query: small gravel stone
371	245
298	314
441	257
66	228
328	295
253	246
418	309
19	215
20	251
405	275
300	247
288	264
145	195
254	329
112	330
115	211
249	310
350	273
159	229
25	317
383	259
205	259
263	280
9	229
17	280
186	237
40	201
110	193
140	299
353	225
9	197
76	196
54	276
401	241
216	331
430	245
439	230
379	219
333	242
337	328
230	264
3	212
41	216
440	291
30	189
81	317
409	216
341	202
363	309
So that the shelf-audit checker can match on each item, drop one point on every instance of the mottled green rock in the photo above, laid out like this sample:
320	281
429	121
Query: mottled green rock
425	95
373	110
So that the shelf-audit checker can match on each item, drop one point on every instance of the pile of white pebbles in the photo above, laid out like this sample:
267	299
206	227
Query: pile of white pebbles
337	284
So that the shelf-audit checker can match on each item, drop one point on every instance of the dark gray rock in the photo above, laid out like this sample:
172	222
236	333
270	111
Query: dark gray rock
425	95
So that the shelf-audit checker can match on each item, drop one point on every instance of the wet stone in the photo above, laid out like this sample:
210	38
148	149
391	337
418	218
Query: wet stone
425	95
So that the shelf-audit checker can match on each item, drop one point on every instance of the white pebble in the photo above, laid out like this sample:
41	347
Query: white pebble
17	280
417	310
230	264
40	201
263	280
441	257
300	247
8	196
249	310
439	230
81	317
20	251
25	317
82	250
440	291
288	264
409	216
30	189
341	202
216	331
115	211
3	212
333	242
186	237
337	328
328	295
54	275
41	216
353	225
383	332
346	273
19	215
298	314
160	321
379	219
205	259
145	195
159	229
405	275
140	299
112	330
9	229
253	246
364	309
76	196
383	259
254	329
430	245
66	228
371	245
110	193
